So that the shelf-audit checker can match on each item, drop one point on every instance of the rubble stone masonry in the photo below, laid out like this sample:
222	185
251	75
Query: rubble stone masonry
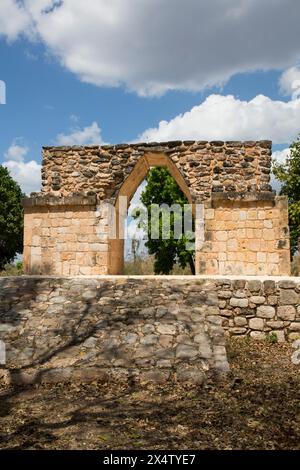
243	228
144	328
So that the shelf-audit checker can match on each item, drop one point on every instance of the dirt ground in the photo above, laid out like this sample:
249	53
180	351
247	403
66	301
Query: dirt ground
256	407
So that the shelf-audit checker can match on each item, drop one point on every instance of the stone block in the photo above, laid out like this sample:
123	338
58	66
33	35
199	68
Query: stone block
236	302
269	287
149	339
209	214
286	284
225	294
256	324
166	341
295	326
265	311
273	258
154	376
261	257
221	236
257	299
286	312
240	321
258	335
268	234
288	297
186	352
254	286
166	329
268	223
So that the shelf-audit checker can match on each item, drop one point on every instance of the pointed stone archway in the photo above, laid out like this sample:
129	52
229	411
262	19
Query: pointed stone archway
125	194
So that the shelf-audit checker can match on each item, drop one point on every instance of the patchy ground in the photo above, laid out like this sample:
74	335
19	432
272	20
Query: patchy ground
257	407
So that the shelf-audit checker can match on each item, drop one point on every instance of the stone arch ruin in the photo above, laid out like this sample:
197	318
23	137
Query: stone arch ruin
245	224
128	189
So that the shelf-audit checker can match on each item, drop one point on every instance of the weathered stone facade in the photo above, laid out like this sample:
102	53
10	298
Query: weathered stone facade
204	166
58	329
246	237
245	224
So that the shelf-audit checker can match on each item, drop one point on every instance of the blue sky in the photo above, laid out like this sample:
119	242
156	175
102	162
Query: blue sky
86	72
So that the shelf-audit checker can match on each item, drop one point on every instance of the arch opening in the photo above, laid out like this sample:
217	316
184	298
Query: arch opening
131	187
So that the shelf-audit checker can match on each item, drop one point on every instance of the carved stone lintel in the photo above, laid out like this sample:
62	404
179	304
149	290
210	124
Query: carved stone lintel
53	200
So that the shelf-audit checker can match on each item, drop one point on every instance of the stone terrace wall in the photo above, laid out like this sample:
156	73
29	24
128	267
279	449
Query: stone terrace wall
147	328
260	307
206	166
58	329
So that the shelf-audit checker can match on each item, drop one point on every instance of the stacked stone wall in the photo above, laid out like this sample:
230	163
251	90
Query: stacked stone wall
146	329
143	328
260	308
205	166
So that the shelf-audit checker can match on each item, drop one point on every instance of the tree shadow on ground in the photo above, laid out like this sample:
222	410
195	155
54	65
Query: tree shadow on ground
214	416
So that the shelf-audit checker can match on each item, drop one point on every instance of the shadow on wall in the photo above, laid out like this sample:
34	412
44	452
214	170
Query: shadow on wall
44	269
49	327
295	267
58	329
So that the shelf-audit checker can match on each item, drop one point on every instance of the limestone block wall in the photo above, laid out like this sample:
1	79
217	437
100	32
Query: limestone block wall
57	329
70	236
246	237
65	236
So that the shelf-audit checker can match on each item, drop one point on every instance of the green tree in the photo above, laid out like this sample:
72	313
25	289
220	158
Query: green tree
162	189
11	218
288	174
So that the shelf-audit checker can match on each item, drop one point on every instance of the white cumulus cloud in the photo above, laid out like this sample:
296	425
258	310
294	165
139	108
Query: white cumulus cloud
16	152
228	118
290	82
14	19
152	46
27	174
89	135
280	156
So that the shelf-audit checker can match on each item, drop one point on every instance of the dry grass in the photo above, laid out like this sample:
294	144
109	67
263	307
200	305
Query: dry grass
256	407
12	270
144	265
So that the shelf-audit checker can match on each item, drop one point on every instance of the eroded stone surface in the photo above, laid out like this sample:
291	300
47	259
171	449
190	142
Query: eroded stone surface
58	329
120	327
242	228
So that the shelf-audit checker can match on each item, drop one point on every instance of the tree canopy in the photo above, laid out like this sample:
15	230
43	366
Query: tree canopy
11	218
288	174
162	189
